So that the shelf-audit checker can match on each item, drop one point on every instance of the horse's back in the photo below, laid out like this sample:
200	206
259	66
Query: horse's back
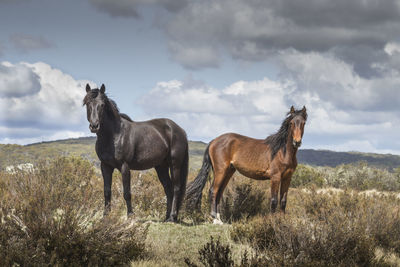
236	142
158	136
169	129
247	155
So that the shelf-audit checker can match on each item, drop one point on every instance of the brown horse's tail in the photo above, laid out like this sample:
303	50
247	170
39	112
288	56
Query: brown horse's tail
194	190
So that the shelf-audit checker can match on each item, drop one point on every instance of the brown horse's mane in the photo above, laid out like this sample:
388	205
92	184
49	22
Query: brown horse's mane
110	104
279	139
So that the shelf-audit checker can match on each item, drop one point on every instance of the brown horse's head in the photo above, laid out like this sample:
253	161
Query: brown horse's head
297	123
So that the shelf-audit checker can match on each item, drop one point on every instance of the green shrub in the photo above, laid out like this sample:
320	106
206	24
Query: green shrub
360	176
357	176
337	229
214	254
53	216
242	200
306	175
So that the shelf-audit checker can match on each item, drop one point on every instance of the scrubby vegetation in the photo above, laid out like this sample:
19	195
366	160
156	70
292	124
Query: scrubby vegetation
325	229
358	176
54	216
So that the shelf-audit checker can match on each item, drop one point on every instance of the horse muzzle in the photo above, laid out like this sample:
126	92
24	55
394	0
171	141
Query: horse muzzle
94	128
296	144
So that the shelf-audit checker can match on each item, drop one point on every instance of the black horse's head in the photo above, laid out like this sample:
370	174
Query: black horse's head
296	125
95	106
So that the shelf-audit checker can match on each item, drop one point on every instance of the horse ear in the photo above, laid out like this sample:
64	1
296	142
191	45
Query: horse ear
292	110
304	111
102	88
87	88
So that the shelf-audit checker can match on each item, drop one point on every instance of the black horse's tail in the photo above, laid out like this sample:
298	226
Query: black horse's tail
194	190
183	176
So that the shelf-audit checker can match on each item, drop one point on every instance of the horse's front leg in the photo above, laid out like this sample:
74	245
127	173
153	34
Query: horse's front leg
284	191
107	171
126	181
275	181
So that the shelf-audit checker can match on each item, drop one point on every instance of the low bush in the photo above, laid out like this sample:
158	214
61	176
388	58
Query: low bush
214	253
338	229
243	200
306	175
357	176
53	216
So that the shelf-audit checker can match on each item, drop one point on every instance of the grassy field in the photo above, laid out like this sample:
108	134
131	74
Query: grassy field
169	244
53	217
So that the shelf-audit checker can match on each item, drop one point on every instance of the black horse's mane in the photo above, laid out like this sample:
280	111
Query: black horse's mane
110	104
279	139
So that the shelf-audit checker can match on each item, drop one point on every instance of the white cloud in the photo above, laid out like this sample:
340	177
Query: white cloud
39	103
41	137
17	80
334	81
254	30
253	108
392	48
346	111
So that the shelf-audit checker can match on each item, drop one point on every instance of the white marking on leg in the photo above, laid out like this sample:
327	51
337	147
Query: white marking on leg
217	220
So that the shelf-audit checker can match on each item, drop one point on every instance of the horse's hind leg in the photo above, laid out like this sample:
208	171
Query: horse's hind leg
163	176
221	179
126	182
178	188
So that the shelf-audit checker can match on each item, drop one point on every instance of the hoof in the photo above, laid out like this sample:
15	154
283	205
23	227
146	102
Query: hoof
218	222
171	220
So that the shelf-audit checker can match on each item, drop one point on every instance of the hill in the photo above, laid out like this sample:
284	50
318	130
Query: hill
84	147
333	159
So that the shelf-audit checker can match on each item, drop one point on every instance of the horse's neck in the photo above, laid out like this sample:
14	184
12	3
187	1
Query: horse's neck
111	127
291	151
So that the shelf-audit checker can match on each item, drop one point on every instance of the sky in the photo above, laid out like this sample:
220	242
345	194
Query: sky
212	66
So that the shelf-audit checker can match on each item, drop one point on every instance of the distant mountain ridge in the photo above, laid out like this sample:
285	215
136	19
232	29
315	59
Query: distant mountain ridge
84	147
333	158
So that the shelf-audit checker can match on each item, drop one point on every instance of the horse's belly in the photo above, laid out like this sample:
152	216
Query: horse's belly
143	165
257	174
144	162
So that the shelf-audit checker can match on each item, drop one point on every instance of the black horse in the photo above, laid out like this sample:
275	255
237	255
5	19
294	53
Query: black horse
124	145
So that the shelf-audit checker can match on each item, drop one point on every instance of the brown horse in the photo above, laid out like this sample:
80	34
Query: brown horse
272	158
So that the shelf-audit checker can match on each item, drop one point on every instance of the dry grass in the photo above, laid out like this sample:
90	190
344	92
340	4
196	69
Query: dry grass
326	229
53	216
